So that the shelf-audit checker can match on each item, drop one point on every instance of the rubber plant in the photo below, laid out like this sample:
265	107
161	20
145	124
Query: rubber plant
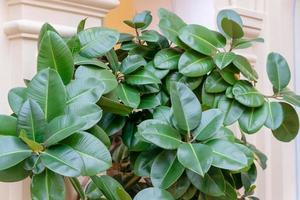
145	116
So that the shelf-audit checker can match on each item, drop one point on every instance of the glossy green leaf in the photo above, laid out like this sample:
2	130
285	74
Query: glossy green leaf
104	76
195	157
99	133
153	194
160	134
214	83
193	64
128	95
211	122
14	174
245	43
213	182
186	107
230	74
141	77
167	59
61	128
231	109
232	28
278	71
224	134
162	113
132	63
115	107
83	61
289	96
31	119
245	67
12	151
191	82
180	187
200	39
92	192
47	185
33	145
230	15
62	160
169	25
141	20
95	156
74	45
226	155
289	128
97	41
81	25
16	98
45	28
247	95
8	125
210	100
47	89
275	115
223	59
61	58
112	128
159	73
166	170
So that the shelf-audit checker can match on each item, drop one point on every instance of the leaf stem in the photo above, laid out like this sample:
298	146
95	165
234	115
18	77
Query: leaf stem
137	36
77	186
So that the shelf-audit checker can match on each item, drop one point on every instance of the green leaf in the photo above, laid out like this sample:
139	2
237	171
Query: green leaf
104	76
32	121
45	28
92	192
278	71
151	101
62	160
112	128
132	63
169	25
214	83
77	186
167	59
33	145
289	96
14	174
253	119
160	134
144	161
141	20
275	115
229	15
47	185
159	73
125	37
211	122
115	107
166	170
213	182
141	77
223	59
8	125
34	164
180	187
289	128
60	128
95	156
232	28
97	41
16	98
12	151
81	25
153	194
245	67
99	133
162	113
247	95
186	107
224	134
193	64
83	61
48	90
226	155
74	45
109	187
54	53
210	100
230	74
245	43
200	39
195	157
231	109
248	178
128	95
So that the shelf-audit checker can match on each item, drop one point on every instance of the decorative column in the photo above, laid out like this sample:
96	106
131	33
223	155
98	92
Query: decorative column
20	22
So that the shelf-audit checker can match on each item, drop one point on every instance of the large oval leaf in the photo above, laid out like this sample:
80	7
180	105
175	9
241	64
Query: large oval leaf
253	119
180	187
247	95
62	160
167	59
141	77
231	109
115	107
230	74
195	157
132	63
278	71
193	64
245	67
223	59
104	76
47	185
275	115
48	90
160	134
95	156
186	107
8	125
16	98
289	128
232	28
166	169
128	95
14	174
214	83
200	39
226	155
153	194
54	53
228	14
12	151
144	161
211	122
31	119
97	41
112	128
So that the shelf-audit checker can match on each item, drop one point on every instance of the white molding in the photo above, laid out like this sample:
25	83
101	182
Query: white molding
93	8
30	29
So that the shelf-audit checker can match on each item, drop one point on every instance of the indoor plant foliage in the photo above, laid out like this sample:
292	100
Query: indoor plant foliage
151	111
